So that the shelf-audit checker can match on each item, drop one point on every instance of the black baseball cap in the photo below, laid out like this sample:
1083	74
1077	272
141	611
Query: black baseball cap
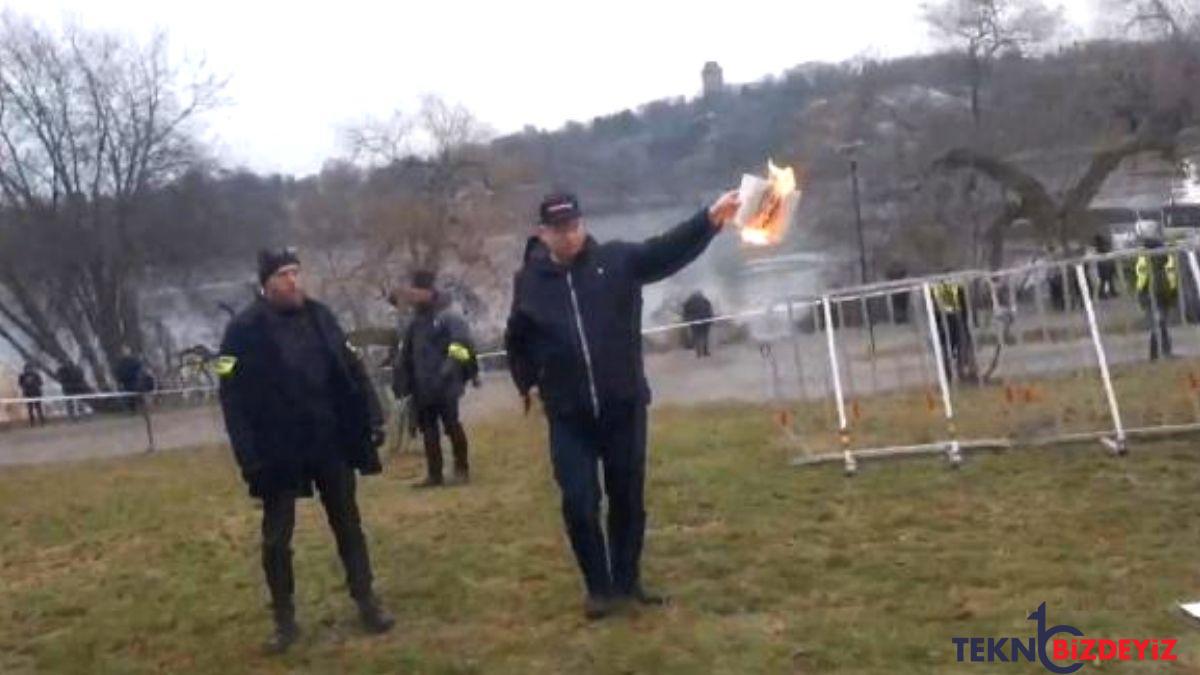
559	208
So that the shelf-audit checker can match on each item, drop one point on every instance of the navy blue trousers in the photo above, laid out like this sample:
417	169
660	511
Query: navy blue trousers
581	448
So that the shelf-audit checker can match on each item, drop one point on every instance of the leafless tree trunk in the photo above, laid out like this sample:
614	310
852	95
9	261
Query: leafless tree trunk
89	125
1057	219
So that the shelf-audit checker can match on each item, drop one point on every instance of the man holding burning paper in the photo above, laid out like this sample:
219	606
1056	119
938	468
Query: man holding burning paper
574	334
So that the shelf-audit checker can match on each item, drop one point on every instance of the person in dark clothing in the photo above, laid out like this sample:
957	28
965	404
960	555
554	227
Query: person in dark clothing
437	358
954	330
574	334
899	301
300	412
130	375
698	308
70	378
1156	280
1055	283
30	382
1106	270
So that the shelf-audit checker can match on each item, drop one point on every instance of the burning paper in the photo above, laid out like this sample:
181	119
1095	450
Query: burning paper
767	205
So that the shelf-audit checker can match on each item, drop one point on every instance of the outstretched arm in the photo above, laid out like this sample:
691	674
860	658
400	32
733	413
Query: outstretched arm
659	257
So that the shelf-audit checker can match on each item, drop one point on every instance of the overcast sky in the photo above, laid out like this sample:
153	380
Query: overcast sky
299	72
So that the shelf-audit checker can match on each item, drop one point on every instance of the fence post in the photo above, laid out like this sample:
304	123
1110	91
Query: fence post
952	452
1192	262
871	349
794	332
144	401
851	465
1117	445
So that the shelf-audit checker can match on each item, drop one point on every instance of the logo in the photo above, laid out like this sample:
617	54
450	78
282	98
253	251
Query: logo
1061	649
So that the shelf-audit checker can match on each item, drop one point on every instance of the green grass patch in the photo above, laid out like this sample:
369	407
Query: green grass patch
150	564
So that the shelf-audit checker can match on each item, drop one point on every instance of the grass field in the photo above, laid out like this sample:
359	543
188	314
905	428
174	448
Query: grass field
150	564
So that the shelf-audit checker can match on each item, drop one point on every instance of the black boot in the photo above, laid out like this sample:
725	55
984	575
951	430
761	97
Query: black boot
429	482
286	630
375	619
643	597
597	607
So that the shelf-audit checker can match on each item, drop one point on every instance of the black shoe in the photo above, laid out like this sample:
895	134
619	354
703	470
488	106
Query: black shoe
375	619
597	607
429	482
286	632
648	598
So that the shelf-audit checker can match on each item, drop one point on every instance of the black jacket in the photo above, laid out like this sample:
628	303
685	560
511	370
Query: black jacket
697	308
70	377
575	333
128	373
261	408
424	369
31	384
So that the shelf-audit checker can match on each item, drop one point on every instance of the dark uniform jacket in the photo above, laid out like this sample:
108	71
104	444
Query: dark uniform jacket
425	369
266	412
575	332
31	384
697	308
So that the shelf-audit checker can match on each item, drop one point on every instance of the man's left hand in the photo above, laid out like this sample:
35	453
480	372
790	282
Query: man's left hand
378	436
723	210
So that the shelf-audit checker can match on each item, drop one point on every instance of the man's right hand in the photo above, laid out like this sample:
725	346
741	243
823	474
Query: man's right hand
724	209
527	401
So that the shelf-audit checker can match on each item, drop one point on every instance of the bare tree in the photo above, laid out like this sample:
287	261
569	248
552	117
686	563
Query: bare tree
1176	20
380	142
1059	218
986	29
1170	29
1148	86
392	209
90	123
424	209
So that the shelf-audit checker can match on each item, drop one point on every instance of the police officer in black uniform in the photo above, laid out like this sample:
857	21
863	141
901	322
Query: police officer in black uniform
698	312
574	333
300	413
30	382
436	360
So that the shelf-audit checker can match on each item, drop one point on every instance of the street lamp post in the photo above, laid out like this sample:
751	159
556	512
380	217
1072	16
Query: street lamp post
862	246
849	151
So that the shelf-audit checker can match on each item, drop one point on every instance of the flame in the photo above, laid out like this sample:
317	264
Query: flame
769	220
756	236
783	179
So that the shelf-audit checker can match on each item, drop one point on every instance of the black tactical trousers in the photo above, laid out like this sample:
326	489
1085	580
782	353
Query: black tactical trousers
336	484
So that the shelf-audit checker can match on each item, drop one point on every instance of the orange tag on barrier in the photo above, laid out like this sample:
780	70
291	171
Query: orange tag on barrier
857	410
930	401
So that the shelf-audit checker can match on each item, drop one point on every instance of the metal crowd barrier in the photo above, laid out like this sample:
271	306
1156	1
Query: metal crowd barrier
1048	353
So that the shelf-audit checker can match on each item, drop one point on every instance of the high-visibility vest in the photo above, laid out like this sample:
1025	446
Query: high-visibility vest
1144	271
947	296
